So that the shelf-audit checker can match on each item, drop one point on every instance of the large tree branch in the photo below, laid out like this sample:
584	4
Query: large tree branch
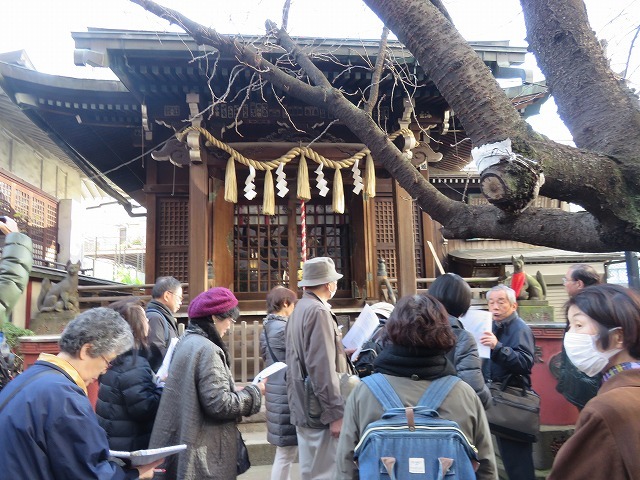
595	104
582	231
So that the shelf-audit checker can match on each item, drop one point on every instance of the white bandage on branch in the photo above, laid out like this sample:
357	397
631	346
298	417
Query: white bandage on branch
491	153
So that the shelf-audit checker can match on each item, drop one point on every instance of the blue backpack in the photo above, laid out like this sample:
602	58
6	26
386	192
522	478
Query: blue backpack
414	442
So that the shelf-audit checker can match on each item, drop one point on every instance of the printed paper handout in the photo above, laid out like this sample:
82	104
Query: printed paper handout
270	370
163	371
361	330
477	322
144	457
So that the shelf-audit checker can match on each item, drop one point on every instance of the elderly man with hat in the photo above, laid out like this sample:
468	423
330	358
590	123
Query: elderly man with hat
315	350
200	405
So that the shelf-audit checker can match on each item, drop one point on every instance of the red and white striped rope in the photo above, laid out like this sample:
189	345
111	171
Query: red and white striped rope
303	230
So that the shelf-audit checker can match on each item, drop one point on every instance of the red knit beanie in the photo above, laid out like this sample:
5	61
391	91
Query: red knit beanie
214	301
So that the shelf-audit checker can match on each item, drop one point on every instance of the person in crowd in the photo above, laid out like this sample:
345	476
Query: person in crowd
128	398
574	385
370	349
604	336
455	294
15	265
512	346
314	349
273	347
166	299
48	429
418	336
200	405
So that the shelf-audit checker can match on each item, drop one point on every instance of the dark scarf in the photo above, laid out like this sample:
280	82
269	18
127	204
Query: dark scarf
413	362
204	326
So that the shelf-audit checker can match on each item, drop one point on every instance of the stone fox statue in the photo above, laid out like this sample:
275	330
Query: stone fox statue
526	286
62	295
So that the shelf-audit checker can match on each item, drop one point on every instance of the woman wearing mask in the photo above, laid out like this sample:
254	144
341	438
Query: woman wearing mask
604	336
200	405
128	398
273	348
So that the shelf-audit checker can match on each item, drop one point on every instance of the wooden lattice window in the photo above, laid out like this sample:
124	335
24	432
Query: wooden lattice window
261	255
173	238
36	214
328	236
386	236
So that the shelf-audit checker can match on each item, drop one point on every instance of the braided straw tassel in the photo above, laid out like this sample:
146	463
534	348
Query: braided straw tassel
304	191
269	201
338	192
369	178
230	184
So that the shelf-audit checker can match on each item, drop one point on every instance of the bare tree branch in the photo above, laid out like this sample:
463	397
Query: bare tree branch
377	72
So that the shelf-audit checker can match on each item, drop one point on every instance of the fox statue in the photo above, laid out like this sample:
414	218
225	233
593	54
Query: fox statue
526	286
62	295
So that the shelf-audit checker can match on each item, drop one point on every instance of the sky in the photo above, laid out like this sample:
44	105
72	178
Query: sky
43	28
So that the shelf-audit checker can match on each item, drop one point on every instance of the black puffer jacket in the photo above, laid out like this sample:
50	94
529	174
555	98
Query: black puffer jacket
128	400
280	432
465	358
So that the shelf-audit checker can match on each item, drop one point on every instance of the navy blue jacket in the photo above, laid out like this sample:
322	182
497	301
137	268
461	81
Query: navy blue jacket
513	353
49	431
128	400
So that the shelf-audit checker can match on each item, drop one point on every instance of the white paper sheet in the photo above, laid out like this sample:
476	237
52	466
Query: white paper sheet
362	329
163	371
270	370
144	457
477	322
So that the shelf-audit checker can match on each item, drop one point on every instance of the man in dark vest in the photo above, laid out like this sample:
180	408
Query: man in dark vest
166	300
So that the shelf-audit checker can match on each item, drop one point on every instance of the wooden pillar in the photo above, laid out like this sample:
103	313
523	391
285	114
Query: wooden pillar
198	228
152	223
405	244
365	264
222	227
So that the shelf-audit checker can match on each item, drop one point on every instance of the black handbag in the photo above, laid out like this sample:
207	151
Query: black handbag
243	463
514	412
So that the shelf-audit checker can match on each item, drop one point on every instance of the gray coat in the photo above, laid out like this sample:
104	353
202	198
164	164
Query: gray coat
461	405
200	408
280	432
466	360
314	345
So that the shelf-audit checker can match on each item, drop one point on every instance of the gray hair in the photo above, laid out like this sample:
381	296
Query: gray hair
164	284
103	328
511	294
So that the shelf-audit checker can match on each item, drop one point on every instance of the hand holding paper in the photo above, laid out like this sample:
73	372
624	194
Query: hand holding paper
270	370
477	322
144	457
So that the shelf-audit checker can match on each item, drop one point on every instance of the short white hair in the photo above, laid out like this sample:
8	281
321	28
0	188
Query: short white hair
511	294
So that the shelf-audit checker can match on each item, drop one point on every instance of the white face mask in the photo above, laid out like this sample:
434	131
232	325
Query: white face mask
332	293
584	354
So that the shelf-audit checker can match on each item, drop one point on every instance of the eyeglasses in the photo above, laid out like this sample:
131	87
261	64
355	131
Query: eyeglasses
106	361
178	297
566	280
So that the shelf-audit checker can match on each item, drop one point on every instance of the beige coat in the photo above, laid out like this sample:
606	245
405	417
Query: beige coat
314	345
461	405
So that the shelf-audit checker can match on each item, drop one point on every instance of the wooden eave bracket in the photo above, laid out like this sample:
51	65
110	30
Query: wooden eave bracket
193	137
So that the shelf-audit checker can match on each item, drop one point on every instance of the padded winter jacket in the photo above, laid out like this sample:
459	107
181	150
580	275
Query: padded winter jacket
128	400
48	431
280	432
466	361
15	266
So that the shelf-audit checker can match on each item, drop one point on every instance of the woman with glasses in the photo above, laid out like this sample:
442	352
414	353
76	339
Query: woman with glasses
48	429
201	405
128	398
604	337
